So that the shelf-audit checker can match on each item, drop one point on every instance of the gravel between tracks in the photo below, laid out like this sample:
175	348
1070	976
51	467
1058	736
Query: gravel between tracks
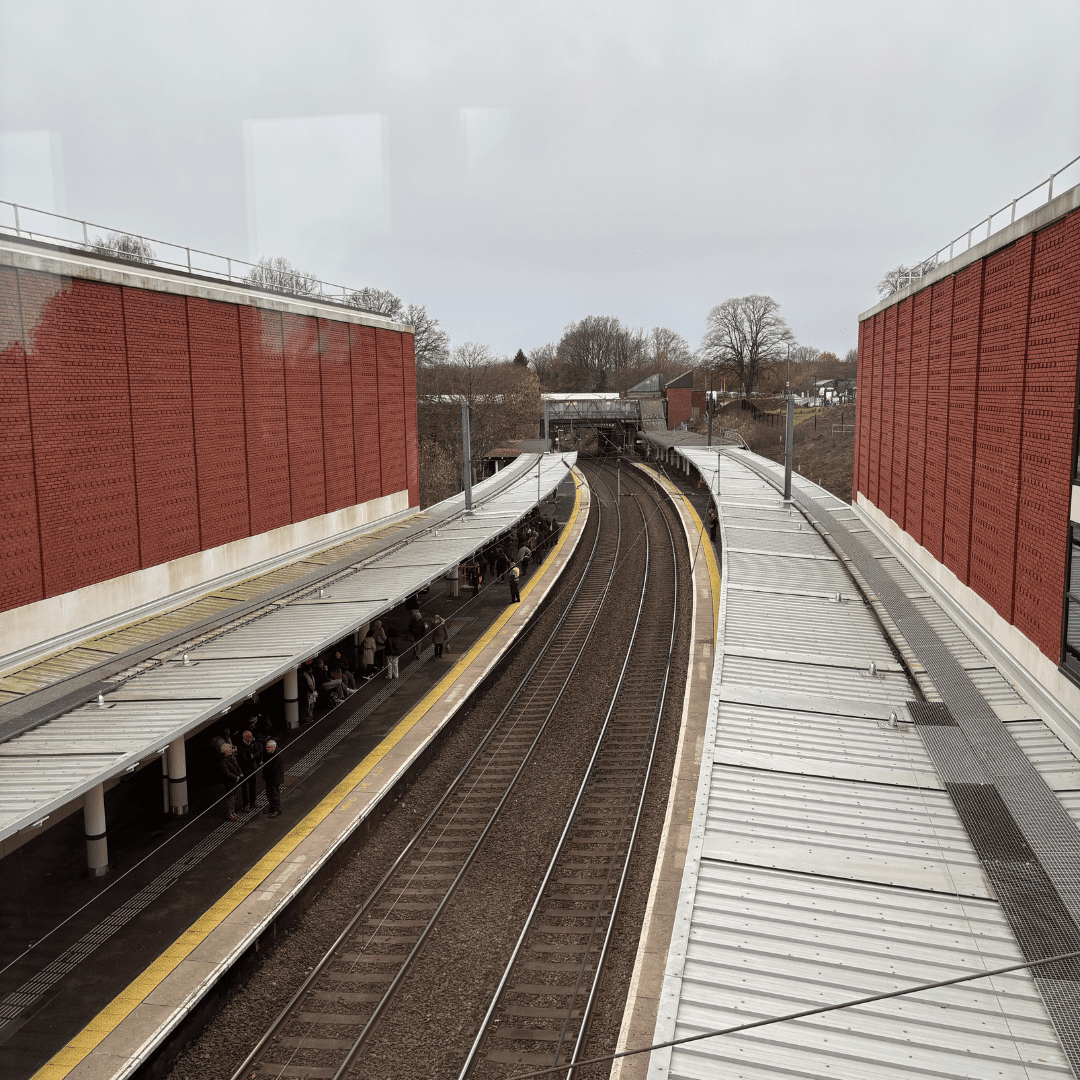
435	1015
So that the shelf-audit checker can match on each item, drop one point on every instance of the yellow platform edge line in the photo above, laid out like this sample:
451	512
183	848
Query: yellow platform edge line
706	543
125	1003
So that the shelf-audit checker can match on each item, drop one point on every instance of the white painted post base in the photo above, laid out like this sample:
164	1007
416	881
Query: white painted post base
290	685
97	844
178	796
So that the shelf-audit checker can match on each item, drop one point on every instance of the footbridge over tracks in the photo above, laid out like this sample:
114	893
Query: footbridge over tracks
614	419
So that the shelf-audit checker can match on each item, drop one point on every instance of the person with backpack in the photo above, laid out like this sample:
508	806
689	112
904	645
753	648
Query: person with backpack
512	576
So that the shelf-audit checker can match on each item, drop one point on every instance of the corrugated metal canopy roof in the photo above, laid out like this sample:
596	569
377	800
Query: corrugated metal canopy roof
826	863
48	766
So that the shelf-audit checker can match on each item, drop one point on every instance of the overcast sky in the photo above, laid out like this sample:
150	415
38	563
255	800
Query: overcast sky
515	166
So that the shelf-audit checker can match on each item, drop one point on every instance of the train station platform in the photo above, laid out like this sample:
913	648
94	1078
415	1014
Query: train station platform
878	807
186	903
93	710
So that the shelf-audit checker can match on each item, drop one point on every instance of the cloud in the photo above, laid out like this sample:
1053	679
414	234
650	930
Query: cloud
316	185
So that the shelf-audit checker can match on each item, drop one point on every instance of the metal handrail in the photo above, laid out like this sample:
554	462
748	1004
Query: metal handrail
185	266
929	265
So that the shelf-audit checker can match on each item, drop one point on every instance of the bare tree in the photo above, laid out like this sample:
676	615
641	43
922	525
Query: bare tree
126	246
377	301
668	353
744	336
543	361
852	356
432	343
903	276
279	274
600	354
503	399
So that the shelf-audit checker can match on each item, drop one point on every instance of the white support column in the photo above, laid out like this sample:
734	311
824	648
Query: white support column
97	844
178	797
292	699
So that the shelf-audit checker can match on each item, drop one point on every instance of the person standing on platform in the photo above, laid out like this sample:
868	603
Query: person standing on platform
438	636
512	576
392	655
249	757
367	657
523	557
272	777
379	634
712	519
231	771
308	691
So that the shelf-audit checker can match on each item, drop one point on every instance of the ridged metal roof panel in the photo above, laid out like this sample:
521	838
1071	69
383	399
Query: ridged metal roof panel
766	942
815	680
817	744
805	623
762	572
817	825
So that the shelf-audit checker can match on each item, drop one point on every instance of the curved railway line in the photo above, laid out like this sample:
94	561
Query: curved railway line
540	1008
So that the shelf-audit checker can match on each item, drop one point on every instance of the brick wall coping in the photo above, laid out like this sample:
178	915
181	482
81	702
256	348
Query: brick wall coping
49	259
1047	214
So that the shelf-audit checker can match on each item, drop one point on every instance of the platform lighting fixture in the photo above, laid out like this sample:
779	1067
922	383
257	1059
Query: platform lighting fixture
187	660
101	701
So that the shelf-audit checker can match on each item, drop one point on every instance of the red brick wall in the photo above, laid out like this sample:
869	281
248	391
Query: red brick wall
217	397
159	375
979	419
391	411
142	426
681	404
337	413
365	381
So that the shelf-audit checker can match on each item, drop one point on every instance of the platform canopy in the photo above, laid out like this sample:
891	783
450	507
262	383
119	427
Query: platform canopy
178	692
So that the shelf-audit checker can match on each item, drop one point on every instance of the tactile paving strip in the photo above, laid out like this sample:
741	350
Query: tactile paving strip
1028	845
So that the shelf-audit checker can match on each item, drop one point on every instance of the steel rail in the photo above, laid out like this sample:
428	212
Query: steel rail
286	1015
473	1059
590	1004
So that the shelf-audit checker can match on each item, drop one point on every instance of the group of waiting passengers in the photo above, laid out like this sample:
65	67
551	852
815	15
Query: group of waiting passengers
338	673
241	763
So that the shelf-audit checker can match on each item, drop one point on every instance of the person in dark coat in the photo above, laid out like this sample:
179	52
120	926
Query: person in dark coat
711	518
249	757
230	769
272	777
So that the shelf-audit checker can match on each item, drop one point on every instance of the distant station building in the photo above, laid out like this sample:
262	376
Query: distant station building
966	450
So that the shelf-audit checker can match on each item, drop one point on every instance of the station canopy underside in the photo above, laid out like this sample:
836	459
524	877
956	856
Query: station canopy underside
48	766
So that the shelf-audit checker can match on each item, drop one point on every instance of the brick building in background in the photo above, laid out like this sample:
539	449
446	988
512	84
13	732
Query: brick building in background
160	431
966	444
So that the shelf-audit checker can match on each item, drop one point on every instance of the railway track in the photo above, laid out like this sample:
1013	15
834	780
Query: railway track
540	1013
324	1029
